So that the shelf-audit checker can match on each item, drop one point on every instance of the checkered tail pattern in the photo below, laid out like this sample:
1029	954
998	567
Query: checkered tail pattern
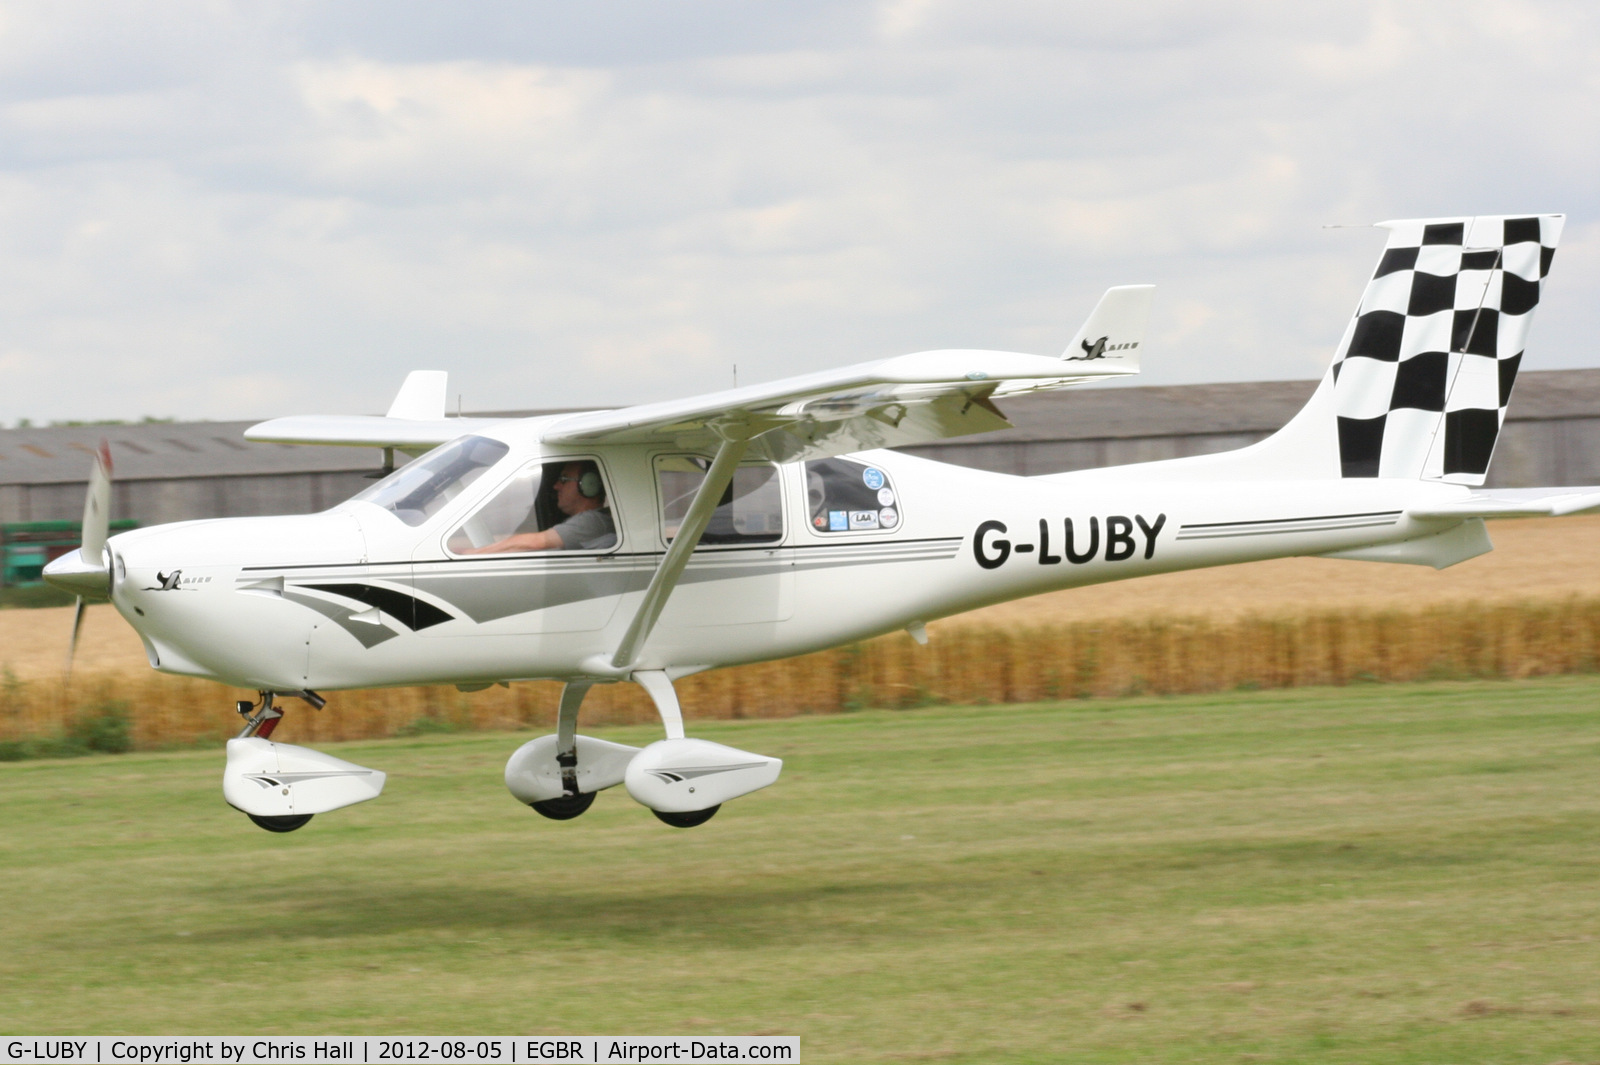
1425	370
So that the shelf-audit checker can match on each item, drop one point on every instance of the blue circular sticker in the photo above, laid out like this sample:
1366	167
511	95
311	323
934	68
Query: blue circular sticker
872	478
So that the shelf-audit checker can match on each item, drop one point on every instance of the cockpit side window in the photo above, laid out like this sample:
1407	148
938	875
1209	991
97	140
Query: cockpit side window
512	520
846	496
751	510
417	490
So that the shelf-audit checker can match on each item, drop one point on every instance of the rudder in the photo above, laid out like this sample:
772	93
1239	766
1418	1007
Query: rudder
1425	370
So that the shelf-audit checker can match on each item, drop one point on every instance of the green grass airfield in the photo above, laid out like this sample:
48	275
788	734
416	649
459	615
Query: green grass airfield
1405	873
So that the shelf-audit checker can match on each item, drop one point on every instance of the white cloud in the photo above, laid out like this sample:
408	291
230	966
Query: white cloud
219	210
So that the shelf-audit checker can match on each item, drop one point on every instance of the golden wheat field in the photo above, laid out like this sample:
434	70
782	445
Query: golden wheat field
1532	607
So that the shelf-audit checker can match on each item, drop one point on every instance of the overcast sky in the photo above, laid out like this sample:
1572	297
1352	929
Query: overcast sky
217	210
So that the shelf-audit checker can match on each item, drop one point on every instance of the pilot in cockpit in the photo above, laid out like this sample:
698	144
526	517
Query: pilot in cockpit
581	496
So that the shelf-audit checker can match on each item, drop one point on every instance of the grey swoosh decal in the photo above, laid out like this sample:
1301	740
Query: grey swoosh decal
492	594
369	635
672	774
277	780
487	590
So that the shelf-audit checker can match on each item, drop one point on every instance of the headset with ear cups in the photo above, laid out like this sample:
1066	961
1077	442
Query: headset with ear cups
589	486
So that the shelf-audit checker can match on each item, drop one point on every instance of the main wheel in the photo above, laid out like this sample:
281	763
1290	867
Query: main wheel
281	824
565	808
687	819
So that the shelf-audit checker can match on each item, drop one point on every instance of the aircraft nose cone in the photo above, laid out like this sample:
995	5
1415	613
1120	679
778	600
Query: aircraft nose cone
74	574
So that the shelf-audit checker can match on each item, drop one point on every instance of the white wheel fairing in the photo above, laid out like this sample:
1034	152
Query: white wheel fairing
281	780
533	775
680	776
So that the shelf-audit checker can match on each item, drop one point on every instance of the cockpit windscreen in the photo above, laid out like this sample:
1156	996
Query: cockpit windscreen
417	490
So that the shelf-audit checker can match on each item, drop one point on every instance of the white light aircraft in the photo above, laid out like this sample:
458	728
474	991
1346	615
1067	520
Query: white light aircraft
645	544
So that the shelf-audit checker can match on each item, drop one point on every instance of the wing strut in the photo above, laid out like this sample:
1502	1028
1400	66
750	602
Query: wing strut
718	477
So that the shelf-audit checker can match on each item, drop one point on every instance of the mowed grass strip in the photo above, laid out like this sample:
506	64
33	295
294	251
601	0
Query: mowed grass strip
1375	873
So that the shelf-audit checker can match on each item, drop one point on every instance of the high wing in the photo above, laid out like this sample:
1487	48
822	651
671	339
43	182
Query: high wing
910	399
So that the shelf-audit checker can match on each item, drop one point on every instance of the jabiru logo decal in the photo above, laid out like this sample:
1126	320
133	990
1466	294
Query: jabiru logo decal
1098	349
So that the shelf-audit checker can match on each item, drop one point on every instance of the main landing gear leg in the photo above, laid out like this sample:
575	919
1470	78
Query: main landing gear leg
574	801
657	685
661	692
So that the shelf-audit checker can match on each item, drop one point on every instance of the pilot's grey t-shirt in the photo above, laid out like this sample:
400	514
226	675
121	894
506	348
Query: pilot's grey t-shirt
588	530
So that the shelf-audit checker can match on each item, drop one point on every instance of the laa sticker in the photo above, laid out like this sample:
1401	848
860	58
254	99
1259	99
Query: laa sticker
863	519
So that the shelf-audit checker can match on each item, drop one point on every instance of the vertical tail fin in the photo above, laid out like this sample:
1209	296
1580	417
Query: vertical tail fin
1421	379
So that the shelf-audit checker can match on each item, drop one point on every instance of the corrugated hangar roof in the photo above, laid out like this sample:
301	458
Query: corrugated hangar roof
161	451
165	451
175	450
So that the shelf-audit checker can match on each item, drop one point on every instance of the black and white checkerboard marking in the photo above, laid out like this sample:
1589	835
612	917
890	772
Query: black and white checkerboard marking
1425	369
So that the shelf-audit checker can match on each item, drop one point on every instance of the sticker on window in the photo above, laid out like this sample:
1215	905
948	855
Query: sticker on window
845	496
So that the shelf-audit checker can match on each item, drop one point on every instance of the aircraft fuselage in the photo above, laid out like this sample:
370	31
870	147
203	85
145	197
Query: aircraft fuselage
356	597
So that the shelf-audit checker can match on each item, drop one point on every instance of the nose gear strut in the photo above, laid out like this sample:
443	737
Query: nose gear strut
260	722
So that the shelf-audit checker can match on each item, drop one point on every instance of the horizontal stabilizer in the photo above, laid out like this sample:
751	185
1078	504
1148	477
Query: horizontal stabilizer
365	430
1115	328
1512	503
415	423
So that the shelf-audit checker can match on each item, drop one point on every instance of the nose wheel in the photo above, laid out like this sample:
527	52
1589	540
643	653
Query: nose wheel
688	819
279	786
280	824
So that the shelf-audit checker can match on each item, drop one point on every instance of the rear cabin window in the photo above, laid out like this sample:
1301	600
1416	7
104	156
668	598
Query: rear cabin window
846	496
751	511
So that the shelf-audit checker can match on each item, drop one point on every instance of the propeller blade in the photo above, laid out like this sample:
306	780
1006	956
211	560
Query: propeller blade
77	627
83	572
97	506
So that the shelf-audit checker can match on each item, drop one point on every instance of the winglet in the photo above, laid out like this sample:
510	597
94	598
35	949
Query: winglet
422	397
1116	327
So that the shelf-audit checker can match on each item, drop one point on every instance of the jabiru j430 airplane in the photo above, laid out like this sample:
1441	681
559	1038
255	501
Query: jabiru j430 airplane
644	544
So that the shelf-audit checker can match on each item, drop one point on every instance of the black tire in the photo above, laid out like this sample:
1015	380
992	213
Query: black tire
565	808
281	824
687	819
